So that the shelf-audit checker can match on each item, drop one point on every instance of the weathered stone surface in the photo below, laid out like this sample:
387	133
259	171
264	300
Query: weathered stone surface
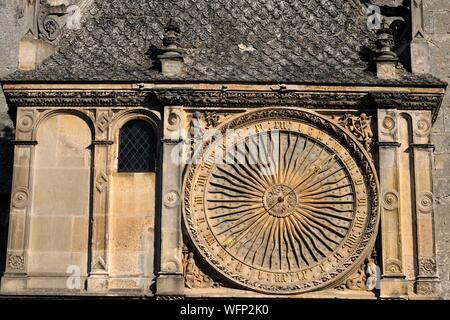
211	56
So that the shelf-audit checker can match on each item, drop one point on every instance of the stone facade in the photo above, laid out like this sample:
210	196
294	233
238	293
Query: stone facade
123	249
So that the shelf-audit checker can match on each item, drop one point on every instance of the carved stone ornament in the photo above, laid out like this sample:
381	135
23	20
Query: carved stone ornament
427	266
393	266
47	21
390	200
212	119
16	261
171	199
425	202
425	288
100	265
358	280
360	126
423	127
101	182
173	121
389	125
20	198
220	98
296	214
25	123
194	277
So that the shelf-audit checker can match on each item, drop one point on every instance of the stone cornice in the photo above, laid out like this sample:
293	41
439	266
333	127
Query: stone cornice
71	98
314	97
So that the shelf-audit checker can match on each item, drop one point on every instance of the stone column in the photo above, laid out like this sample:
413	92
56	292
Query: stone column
170	281
393	283
427	280
98	273
15	277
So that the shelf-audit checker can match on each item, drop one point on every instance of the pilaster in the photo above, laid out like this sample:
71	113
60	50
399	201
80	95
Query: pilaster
170	280
99	273
427	280
15	277
393	283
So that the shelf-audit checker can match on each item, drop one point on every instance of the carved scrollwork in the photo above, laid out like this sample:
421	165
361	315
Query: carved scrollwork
360	126
427	266
212	119
47	21
51	20
358	280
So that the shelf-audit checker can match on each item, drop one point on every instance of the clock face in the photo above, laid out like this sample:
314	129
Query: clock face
281	206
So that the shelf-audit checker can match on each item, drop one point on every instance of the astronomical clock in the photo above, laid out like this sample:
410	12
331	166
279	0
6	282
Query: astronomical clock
281	201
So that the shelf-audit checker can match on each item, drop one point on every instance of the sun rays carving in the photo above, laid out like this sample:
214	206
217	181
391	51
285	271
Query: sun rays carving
287	210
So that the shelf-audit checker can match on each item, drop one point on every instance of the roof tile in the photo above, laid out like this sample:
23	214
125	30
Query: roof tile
288	41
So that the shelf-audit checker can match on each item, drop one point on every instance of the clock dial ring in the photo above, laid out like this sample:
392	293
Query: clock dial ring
281	233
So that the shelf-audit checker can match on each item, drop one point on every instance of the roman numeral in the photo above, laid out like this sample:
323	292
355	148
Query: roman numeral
201	220
222	254
351	241
201	181
350	164
210	239
362	202
198	200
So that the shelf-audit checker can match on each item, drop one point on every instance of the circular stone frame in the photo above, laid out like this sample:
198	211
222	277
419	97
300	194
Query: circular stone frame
344	266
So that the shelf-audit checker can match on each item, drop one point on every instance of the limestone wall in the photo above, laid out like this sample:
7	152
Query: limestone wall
11	30
437	28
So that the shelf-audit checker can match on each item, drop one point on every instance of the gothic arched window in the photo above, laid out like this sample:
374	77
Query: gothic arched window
137	147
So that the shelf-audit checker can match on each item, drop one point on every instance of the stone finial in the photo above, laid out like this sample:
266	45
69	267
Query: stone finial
171	57
387	59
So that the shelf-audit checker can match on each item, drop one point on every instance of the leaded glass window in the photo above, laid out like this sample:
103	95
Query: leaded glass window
137	147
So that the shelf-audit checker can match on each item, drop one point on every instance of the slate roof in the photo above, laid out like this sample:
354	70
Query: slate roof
302	41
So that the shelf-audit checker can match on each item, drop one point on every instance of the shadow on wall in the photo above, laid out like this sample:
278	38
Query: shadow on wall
6	165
